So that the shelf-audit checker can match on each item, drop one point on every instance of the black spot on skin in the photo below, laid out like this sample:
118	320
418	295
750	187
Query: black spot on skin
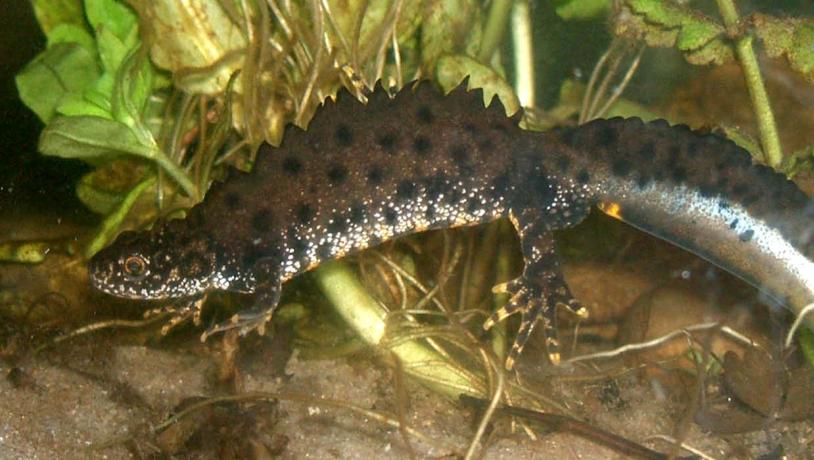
405	190
233	201
486	145
658	175
749	200
563	163
292	166
262	221
357	214
740	189
707	191
540	189
425	115
605	135
733	224
643	181
344	135
747	235
299	246
453	195
375	175
421	145
500	187
471	129
679	174
304	213
390	216
674	154
295	241
435	186
338	224
325	251
337	174
500	127
568	136
387	141
621	167
473	205
460	157
251	255
646	151
583	176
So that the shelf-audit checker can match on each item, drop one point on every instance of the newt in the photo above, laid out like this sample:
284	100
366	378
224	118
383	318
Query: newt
364	174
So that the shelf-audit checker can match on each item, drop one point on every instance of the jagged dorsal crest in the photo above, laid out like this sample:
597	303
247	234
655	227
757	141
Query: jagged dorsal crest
459	102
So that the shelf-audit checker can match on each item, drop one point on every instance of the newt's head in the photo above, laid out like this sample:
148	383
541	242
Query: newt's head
163	263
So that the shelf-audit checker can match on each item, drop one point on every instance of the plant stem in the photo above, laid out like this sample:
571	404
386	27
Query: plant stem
495	26
523	53
769	138
367	318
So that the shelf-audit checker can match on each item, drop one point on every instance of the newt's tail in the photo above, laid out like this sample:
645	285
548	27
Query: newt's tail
702	192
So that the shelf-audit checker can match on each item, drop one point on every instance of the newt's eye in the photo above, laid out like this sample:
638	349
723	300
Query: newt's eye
135	266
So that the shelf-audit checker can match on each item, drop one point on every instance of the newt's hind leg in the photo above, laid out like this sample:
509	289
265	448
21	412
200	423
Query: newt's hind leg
538	292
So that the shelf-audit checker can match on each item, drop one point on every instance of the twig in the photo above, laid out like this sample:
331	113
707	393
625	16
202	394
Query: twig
769	138
806	311
662	339
495	26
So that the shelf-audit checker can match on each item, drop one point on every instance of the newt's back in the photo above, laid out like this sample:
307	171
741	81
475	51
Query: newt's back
363	174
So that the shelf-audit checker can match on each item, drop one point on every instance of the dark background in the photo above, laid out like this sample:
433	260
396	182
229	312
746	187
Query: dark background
27	179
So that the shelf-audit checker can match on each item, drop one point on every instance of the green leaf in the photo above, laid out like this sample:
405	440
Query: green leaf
77	105
800	161
93	138
134	83
346	15
25	252
102	92
449	26
111	17
451	70
87	137
52	13
61	69
199	42
806	339
114	220
112	50
581	9
789	38
104	188
71	33
670	24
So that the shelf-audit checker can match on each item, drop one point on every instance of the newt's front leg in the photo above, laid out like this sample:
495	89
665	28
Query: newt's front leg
267	297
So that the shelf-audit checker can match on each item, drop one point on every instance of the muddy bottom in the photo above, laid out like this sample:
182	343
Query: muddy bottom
126	391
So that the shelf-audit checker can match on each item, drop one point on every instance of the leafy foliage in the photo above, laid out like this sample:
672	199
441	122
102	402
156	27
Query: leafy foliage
232	78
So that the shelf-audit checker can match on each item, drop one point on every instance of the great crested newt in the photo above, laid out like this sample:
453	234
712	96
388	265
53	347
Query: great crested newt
364	174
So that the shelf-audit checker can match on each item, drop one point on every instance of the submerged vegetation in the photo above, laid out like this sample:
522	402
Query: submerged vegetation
161	96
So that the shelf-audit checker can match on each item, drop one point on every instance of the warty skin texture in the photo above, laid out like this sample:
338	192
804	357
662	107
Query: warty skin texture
364	174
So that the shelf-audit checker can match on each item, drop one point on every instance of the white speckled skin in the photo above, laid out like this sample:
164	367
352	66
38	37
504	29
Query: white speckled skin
363	174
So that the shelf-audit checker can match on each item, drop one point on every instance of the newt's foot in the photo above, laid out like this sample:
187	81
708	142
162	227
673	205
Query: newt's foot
179	313
535	301
254	318
244	321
